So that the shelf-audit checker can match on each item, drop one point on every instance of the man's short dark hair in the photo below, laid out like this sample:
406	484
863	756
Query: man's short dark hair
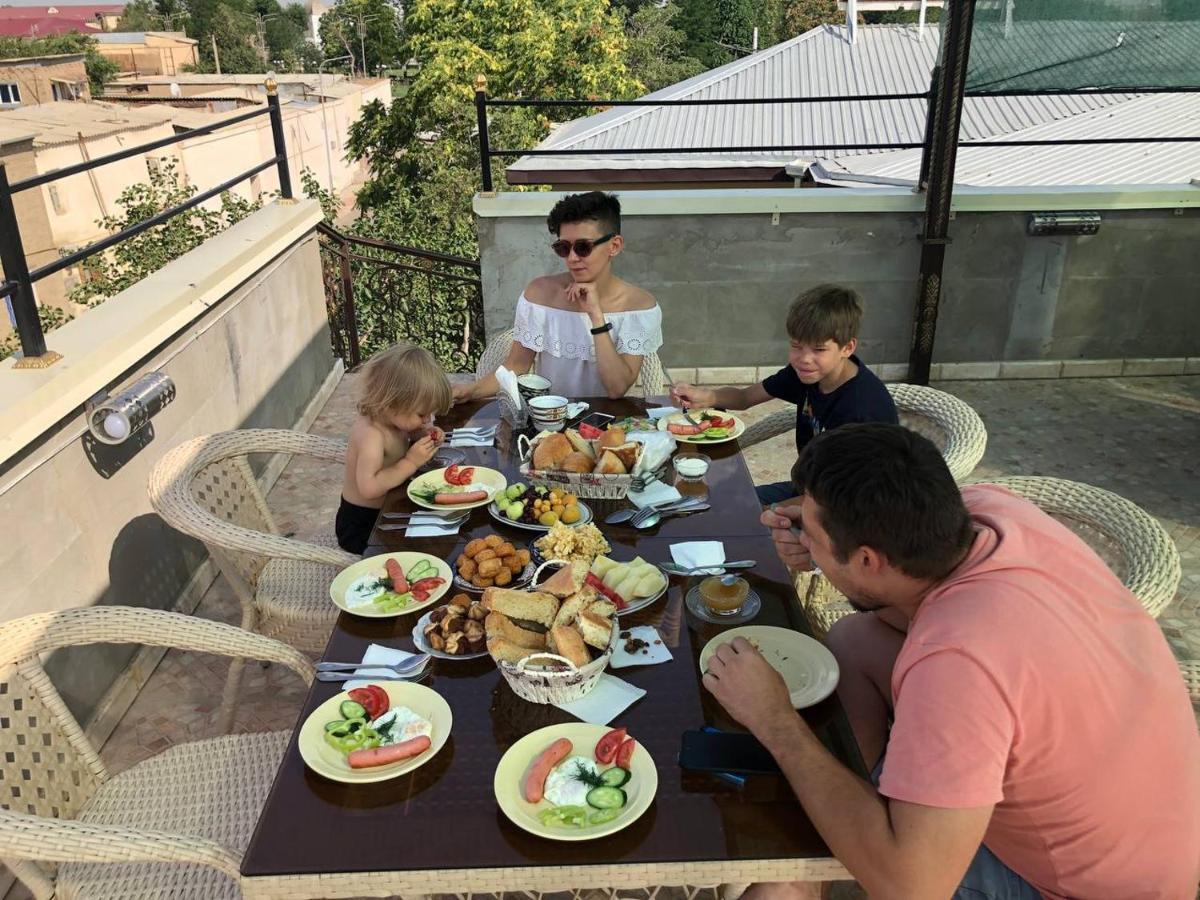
888	488
594	206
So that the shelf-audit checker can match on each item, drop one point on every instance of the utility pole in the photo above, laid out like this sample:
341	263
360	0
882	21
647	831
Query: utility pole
216	54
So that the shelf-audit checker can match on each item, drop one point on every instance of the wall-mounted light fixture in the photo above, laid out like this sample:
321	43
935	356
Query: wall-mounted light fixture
112	420
1046	223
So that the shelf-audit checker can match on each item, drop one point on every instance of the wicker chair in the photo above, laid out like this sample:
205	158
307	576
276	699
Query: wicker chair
1126	537
652	379
204	488
175	825
943	418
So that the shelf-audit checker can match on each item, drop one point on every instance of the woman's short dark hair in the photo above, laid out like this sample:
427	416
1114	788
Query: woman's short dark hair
594	206
888	488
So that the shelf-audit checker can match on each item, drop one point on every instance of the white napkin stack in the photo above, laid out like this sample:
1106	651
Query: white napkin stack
695	554
654	652
608	699
655	492
657	447
377	654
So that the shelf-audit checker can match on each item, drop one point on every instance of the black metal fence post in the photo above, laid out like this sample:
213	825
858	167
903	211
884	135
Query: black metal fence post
485	150
276	115
16	273
946	110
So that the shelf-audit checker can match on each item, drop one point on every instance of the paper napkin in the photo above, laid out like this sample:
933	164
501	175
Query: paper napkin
430	528
656	492
608	699
655	650
660	411
467	441
378	654
694	554
508	383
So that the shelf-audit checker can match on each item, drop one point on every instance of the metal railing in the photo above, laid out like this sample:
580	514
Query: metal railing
377	292
17	287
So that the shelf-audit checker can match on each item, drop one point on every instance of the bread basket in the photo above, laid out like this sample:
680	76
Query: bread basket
588	485
531	681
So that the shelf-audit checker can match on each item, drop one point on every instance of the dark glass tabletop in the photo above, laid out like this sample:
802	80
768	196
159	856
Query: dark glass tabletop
312	825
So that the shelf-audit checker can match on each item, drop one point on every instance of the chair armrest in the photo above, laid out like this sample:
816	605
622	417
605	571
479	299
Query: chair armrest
42	838
43	632
768	427
1190	670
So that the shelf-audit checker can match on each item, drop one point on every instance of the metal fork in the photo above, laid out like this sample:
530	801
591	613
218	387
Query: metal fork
463	514
400	668
678	506
480	430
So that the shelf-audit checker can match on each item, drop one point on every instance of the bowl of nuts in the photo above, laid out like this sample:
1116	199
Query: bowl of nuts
453	631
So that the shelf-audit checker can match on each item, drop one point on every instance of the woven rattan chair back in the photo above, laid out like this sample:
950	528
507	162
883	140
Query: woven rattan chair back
651	379
227	489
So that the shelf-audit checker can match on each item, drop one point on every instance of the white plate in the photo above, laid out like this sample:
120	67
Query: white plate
738	426
585	516
484	479
806	664
418	636
342	581
326	760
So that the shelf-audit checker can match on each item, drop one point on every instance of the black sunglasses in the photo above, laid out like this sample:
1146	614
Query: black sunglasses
582	247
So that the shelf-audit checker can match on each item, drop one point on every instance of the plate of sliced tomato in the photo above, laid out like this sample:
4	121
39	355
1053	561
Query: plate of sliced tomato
391	584
715	427
456	487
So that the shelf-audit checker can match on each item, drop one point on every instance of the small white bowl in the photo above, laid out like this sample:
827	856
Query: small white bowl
691	466
547	408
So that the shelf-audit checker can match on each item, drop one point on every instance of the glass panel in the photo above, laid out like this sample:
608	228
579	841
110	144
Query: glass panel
1039	45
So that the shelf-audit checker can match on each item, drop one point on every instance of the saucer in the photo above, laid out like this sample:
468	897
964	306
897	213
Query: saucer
749	609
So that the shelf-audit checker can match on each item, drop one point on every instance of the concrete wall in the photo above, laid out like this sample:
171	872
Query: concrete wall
725	279
36	77
74	537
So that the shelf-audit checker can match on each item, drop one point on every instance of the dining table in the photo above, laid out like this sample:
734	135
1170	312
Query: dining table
439	830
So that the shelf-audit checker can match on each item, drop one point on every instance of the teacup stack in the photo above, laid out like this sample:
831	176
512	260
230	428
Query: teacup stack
548	412
530	385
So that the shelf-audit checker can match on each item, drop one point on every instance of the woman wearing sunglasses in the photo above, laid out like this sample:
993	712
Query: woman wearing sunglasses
587	330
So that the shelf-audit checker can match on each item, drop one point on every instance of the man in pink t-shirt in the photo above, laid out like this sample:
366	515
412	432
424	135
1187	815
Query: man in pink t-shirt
1028	722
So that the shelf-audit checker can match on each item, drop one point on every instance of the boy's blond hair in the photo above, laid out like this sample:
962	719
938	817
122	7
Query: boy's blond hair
828	312
404	377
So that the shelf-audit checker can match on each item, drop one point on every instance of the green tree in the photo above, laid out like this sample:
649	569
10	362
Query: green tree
800	16
354	26
100	69
737	19
656	47
140	15
933	14
422	151
700	22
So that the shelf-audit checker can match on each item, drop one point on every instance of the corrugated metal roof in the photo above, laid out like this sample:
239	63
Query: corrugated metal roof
821	62
1151	115
62	123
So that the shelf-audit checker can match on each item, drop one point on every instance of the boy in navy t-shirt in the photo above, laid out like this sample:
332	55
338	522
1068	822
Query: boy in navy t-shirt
828	383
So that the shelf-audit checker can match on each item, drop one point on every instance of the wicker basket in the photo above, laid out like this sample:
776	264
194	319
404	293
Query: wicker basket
565	682
587	485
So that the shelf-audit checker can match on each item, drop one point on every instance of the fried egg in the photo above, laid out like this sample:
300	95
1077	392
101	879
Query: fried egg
563	788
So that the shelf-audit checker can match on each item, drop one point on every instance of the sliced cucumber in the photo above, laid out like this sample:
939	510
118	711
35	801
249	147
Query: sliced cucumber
337	726
614	777
606	798
417	572
600	816
351	710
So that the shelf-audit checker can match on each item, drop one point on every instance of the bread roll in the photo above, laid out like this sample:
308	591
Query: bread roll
567	642
581	444
613	436
577	462
551	450
610	464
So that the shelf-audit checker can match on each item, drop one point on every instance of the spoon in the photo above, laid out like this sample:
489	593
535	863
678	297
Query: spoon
655	517
624	515
674	569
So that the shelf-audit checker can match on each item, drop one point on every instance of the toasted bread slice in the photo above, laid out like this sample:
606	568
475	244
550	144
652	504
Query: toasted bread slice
604	608
596	629
530	606
628	453
499	626
610	464
566	581
570	609
567	642
506	651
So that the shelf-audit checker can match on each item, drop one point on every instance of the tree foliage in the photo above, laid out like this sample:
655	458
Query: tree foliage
353	27
656	47
800	16
100	69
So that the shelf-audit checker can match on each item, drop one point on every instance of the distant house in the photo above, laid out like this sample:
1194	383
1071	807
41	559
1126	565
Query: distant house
878	59
33	80
149	52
